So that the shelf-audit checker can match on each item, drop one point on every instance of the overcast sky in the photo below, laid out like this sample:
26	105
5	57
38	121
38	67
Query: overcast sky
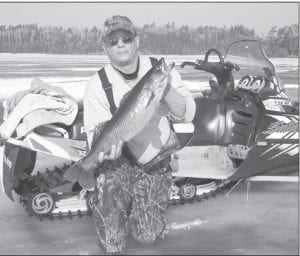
259	16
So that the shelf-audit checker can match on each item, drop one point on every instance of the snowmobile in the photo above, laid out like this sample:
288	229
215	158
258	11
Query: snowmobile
245	125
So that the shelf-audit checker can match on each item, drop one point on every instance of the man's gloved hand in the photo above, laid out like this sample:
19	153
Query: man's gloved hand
116	150
87	179
115	153
223	122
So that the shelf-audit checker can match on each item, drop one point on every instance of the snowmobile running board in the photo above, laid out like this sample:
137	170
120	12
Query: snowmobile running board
274	178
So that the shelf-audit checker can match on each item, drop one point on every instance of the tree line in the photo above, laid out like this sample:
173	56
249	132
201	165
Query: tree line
167	39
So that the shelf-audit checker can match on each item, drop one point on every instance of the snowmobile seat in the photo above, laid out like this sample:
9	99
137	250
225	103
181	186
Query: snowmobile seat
75	130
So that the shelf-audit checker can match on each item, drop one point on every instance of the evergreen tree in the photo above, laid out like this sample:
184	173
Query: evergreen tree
167	39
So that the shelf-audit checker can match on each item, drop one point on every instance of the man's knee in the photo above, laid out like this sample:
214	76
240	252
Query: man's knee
147	230
147	237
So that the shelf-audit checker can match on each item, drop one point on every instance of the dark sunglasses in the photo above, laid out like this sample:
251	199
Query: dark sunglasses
125	39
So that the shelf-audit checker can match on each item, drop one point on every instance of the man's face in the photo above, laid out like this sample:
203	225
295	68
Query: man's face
121	47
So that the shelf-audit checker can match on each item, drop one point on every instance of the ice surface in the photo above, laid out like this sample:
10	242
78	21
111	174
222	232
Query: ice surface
18	70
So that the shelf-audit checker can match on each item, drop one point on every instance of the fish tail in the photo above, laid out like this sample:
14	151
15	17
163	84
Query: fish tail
74	172
77	173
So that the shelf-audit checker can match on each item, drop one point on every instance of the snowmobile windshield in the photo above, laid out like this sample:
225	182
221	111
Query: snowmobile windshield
252	60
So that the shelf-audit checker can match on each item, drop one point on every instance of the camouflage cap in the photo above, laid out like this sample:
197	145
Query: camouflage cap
118	22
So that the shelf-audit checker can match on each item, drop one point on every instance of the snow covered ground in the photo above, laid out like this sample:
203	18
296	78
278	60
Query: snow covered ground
72	72
265	224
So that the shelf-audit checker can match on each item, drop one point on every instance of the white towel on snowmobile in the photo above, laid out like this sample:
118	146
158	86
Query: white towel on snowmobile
41	104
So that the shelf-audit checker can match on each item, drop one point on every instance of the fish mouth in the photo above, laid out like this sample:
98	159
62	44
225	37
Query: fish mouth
166	69
163	78
171	66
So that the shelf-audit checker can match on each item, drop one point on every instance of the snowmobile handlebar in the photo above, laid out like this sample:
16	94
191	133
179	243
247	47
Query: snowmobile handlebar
222	70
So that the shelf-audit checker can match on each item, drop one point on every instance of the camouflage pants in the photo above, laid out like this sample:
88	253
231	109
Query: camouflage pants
129	200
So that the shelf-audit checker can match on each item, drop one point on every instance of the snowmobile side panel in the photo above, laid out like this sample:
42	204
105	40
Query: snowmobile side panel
210	162
281	127
65	148
276	158
18	163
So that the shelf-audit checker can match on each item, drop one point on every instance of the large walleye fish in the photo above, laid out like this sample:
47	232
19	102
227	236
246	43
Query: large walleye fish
132	116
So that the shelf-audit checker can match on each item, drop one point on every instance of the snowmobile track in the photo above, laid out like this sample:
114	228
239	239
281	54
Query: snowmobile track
40	201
